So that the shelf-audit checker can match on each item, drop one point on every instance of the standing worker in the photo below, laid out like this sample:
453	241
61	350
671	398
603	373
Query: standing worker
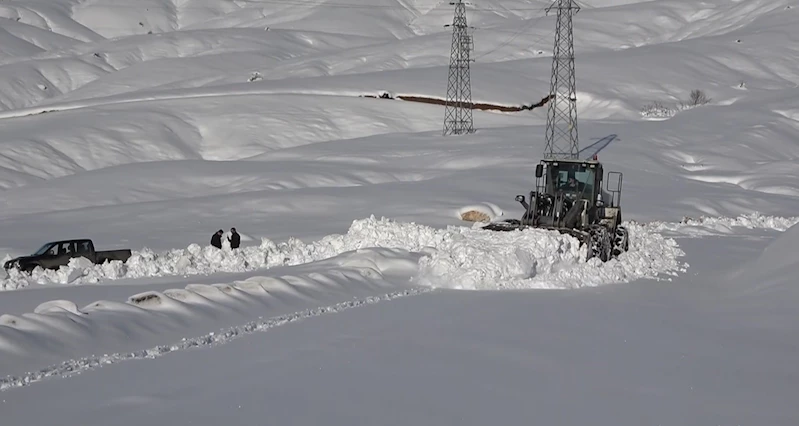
235	238
216	239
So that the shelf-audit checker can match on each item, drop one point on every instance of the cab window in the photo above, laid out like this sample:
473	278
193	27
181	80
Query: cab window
83	247
574	178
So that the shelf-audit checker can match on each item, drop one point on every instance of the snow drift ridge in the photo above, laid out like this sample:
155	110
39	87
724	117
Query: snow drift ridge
456	257
59	329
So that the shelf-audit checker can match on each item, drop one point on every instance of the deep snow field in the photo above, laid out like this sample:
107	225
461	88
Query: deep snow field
359	296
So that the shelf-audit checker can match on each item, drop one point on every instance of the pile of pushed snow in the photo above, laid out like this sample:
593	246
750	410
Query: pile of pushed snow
456	257
485	260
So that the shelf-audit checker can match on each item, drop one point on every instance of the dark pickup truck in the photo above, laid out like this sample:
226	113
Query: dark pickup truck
58	253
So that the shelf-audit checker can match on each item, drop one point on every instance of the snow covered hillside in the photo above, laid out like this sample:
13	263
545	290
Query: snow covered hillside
149	125
102	119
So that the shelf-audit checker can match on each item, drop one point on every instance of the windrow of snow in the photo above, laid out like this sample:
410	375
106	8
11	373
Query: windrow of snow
707	225
455	257
546	260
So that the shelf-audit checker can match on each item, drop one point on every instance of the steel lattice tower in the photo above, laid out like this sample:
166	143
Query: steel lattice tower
458	114
561	131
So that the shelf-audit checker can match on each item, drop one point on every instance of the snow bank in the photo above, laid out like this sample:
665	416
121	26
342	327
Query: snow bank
781	252
705	225
199	260
546	260
76	366
59	329
772	273
456	257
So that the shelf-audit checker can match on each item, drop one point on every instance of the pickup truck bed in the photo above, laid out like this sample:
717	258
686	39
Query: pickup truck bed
109	255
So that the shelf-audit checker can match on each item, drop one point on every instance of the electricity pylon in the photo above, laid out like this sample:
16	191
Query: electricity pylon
561	130
458	113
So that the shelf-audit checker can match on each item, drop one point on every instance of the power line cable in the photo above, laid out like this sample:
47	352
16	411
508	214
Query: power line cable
515	35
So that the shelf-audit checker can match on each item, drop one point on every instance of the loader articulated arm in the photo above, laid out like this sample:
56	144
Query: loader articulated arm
529	208
520	199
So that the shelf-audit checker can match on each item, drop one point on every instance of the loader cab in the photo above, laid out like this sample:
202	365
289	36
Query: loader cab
576	179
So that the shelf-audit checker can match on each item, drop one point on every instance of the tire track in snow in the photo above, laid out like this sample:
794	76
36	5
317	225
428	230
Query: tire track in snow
81	365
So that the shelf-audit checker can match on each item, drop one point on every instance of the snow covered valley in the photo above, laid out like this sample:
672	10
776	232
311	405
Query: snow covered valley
359	296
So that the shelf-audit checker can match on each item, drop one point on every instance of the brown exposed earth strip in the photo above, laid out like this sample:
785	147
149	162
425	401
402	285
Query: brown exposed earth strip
476	105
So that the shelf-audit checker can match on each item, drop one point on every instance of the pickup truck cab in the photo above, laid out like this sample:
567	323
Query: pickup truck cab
55	254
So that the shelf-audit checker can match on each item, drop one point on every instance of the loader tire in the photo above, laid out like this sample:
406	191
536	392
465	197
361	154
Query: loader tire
599	243
621	241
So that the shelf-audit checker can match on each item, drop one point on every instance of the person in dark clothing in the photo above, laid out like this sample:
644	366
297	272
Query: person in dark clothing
235	238
216	239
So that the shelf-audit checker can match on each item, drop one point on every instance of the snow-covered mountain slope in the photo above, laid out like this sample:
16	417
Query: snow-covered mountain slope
151	124
155	140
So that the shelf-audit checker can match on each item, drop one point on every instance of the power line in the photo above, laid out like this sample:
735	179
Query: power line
516	34
497	30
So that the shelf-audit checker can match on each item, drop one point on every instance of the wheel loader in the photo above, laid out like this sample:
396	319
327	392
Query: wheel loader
569	198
